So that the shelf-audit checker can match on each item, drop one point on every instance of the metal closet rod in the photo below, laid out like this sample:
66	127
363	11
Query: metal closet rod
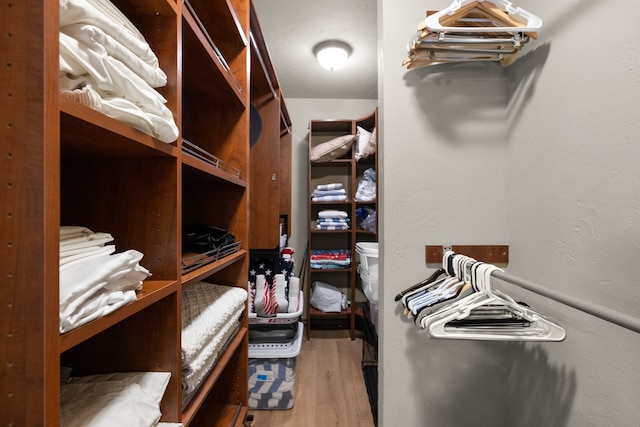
620	319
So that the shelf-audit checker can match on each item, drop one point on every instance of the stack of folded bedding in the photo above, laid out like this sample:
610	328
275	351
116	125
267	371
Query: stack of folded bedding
332	220
210	320
333	192
106	64
117	399
330	258
94	280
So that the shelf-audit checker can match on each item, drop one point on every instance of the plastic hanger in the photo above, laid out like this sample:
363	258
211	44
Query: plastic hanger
514	19
538	328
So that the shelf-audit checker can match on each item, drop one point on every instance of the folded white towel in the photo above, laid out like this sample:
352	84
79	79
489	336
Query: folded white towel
111	21
161	127
107	75
261	283
85	255
95	308
84	280
294	294
105	45
85	239
205	308
281	293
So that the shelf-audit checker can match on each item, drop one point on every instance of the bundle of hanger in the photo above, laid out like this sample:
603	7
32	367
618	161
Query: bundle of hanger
472	30
459	302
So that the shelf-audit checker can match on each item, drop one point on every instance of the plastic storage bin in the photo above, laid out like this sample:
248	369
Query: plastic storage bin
272	375
368	269
368	252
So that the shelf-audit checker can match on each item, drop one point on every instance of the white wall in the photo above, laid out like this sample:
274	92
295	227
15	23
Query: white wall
443	179
541	156
574	210
302	110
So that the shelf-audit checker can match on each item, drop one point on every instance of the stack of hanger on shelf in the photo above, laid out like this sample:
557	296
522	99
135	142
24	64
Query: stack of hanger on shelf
472	30
459	302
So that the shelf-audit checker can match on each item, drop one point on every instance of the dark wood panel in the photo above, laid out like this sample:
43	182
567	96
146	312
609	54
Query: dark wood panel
494	254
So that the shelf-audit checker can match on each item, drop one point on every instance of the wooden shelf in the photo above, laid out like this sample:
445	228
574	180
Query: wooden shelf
67	164
152	291
346	171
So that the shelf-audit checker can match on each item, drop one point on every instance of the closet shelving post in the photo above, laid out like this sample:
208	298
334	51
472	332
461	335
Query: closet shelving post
347	171
66	164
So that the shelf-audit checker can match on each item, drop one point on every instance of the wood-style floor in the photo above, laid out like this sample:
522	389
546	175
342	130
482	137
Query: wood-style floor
330	386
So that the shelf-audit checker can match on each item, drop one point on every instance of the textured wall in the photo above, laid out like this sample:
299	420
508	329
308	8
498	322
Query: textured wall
574	210
444	142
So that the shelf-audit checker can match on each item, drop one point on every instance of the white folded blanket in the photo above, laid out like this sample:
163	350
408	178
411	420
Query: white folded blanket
197	369
119	399
103	14
107	75
84	283
206	309
161	127
103	44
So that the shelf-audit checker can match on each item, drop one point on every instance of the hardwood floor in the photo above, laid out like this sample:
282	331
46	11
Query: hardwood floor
330	386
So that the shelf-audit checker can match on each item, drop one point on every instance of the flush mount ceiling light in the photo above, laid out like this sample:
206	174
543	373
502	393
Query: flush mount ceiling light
332	54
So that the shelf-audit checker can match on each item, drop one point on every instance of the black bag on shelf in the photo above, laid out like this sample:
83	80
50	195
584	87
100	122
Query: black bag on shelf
202	238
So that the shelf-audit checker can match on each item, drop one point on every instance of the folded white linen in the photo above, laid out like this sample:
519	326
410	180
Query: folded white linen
206	308
161	127
281	293
86	254
107	17
86	240
152	383
198	368
103	44
261	284
83	280
294	294
107	75
107	404
73	230
95	308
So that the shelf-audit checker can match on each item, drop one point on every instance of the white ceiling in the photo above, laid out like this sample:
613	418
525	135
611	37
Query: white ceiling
292	28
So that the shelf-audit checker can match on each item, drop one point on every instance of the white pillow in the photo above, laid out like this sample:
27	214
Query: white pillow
366	143
330	150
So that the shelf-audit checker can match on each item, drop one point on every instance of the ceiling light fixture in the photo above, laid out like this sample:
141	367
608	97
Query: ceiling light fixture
332	54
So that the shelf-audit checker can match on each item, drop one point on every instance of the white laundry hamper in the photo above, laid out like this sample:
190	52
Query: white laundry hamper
368	269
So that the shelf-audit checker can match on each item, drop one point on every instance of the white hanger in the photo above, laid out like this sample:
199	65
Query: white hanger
539	329
530	22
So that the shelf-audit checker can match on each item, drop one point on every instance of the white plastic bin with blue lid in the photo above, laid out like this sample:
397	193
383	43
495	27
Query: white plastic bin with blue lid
368	269
272	374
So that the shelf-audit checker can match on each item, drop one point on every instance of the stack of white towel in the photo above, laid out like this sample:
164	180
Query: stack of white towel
210	315
333	192
332	220
106	64
94	281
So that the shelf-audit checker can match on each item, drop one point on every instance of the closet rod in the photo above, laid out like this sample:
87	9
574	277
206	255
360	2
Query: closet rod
620	319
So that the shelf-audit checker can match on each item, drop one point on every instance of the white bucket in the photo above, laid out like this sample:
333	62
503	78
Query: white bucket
368	252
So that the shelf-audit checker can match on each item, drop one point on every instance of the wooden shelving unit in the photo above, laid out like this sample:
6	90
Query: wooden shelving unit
62	163
349	172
